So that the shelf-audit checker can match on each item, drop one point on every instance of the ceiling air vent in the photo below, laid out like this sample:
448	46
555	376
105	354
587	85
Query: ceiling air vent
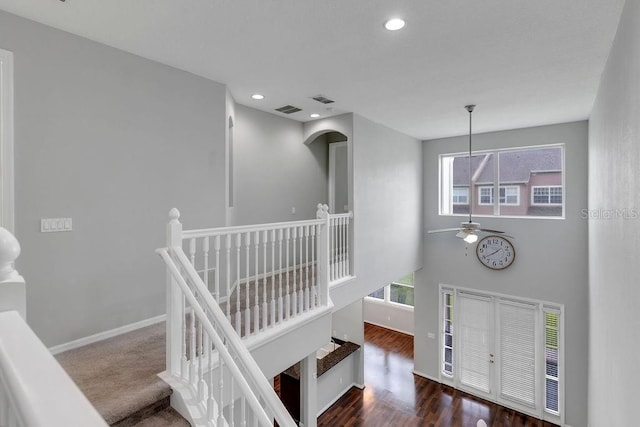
288	109
323	99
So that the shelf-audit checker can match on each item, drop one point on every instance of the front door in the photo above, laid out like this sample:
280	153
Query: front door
476	343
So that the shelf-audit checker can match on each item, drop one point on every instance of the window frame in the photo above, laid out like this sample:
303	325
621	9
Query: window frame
466	195
445	193
559	377
480	195
387	295
492	200
517	203
448	377
548	187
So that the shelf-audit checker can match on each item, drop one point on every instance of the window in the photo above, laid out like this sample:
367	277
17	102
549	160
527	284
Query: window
552	360
401	292
509	195
535	172
485	195
379	294
447	333
460	196
398	292
547	195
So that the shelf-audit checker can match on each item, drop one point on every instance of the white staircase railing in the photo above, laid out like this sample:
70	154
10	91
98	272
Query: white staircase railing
34	389
339	235
226	284
214	363
267	274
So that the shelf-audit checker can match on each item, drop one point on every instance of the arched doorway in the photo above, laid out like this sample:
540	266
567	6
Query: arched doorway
338	169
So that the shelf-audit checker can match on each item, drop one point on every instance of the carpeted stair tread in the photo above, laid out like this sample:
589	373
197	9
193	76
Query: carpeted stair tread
119	375
168	417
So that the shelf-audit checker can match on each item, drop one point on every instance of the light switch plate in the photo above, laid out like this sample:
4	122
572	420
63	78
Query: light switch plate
51	225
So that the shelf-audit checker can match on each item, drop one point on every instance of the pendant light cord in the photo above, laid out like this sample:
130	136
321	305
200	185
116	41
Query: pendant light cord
470	108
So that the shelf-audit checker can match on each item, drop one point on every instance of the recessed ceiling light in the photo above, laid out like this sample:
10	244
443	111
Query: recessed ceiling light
394	24
257	96
314	115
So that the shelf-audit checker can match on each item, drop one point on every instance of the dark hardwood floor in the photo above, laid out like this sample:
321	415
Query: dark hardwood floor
394	396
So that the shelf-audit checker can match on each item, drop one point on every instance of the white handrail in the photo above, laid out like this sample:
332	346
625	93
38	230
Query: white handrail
217	341
35	391
261	275
342	215
248	364
205	232
234	341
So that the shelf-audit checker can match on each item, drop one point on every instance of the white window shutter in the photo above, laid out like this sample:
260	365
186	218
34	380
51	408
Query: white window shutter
517	353
474	355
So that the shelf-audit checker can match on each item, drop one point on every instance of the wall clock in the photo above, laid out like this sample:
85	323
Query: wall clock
495	252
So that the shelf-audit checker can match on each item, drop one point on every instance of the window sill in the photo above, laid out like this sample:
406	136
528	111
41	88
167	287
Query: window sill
503	216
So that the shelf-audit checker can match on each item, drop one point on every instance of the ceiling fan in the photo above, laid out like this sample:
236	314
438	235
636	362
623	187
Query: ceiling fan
468	229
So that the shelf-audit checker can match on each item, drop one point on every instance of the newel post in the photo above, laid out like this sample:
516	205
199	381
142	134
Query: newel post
175	307
323	254
13	295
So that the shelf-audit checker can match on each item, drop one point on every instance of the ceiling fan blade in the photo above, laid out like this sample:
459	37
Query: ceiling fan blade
486	230
443	230
502	233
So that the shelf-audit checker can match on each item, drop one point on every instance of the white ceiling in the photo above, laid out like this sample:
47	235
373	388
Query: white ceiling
524	62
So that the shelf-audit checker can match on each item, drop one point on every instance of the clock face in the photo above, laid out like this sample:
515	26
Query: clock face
495	252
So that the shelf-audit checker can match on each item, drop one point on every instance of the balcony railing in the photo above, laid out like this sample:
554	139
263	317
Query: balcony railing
230	283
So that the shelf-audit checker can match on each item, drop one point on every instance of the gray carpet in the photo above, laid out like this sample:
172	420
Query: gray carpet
119	375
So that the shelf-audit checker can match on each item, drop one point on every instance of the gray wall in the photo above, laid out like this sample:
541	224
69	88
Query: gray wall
387	206
614	251
347	324
275	170
551	262
113	141
389	316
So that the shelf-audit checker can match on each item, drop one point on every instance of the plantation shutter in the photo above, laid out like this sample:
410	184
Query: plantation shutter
475	321
517	347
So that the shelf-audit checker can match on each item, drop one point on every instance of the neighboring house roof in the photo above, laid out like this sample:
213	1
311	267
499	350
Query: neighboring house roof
515	166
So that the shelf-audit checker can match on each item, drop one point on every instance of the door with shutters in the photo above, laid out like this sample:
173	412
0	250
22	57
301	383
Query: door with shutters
517	359
503	349
475	341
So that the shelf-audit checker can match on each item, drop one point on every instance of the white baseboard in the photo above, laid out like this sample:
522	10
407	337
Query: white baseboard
423	375
328	405
388	327
106	334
